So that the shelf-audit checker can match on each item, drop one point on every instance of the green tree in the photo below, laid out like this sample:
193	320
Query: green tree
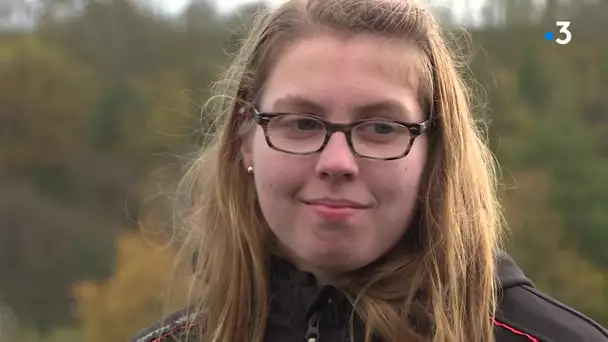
44	95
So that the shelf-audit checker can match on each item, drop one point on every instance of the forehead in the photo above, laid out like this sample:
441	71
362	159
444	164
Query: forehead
335	72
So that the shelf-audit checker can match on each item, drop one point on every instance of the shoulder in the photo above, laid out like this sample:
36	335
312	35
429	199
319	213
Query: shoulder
527	314
174	327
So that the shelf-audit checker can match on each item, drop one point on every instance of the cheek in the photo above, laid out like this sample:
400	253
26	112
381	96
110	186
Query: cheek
399	200
398	189
276	173
415	162
402	179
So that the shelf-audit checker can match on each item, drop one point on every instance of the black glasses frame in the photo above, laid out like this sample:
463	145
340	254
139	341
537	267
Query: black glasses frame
416	129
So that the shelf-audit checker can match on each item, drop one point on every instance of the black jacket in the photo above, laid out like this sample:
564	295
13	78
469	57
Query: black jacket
300	310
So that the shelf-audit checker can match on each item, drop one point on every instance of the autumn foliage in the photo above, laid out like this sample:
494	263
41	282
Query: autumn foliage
102	103
136	296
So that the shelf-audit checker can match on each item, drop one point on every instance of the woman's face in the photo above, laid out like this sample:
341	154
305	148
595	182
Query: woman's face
332	211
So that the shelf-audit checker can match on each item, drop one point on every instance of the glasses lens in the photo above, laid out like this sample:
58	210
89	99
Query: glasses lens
381	139
296	133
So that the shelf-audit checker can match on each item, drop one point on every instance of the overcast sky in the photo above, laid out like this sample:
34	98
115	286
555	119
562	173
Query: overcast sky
174	6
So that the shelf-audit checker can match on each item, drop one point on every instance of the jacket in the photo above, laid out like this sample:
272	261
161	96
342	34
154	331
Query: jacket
301	311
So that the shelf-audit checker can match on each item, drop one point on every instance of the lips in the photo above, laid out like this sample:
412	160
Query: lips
335	209
336	203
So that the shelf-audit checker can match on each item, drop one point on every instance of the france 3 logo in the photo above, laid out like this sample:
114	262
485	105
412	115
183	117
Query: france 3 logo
563	36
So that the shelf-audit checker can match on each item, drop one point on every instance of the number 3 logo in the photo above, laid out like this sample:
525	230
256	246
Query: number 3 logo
563	28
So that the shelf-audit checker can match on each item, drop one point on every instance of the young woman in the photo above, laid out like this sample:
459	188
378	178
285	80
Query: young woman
349	195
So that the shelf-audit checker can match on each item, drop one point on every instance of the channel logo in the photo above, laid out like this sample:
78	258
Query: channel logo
563	36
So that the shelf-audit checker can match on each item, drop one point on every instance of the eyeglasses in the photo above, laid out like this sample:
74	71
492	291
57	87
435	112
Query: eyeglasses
305	134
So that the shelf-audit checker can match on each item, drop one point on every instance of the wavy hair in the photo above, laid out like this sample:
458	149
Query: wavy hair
441	289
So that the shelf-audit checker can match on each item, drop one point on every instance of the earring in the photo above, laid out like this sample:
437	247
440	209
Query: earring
250	170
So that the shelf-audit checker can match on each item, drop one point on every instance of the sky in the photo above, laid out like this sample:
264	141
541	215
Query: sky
174	6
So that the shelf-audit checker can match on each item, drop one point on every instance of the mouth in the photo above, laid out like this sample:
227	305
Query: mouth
336	203
335	209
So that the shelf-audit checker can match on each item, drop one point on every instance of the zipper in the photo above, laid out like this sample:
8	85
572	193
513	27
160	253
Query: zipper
312	334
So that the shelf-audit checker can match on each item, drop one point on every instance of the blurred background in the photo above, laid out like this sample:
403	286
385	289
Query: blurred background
101	102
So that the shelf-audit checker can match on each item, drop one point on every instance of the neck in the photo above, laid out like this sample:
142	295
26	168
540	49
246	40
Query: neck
323	276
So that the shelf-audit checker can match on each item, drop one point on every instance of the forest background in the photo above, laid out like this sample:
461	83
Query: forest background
102	101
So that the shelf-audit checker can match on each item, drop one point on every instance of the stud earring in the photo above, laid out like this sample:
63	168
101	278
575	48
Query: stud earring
250	170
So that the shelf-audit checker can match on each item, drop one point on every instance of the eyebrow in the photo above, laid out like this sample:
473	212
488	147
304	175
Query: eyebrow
296	102
389	107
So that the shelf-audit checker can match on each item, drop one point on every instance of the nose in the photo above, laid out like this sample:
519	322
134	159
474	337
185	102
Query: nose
337	161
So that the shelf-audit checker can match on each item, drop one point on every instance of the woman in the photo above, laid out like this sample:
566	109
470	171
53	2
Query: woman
349	196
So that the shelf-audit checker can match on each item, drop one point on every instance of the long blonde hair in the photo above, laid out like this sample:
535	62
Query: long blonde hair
444	287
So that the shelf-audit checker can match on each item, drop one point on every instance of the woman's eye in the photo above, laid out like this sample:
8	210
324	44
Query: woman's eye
382	128
378	128
307	124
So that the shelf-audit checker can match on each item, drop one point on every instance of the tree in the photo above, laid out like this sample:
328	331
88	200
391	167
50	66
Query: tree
41	118
544	250
117	308
45	246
